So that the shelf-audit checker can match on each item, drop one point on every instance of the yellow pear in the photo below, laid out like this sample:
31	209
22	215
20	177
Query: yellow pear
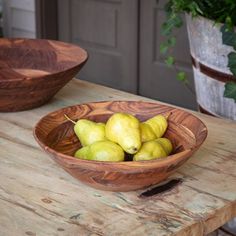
101	151
147	133
166	144
82	153
123	128
149	151
158	124
89	132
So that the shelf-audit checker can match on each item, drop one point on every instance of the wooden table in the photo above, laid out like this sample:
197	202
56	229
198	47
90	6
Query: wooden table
38	198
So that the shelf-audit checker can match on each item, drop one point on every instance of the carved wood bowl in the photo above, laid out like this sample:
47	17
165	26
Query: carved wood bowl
56	136
32	71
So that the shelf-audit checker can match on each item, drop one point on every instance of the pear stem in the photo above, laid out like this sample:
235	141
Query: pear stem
68	118
168	115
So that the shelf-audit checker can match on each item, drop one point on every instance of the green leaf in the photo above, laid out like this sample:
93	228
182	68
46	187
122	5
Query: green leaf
171	41
230	90
170	60
178	21
228	36
166	29
194	8
181	76
229	23
163	48
232	62
174	21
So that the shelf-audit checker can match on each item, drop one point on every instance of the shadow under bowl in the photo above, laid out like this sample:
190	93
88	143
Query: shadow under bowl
32	71
56	136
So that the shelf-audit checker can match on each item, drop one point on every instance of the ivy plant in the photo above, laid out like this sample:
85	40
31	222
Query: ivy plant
220	11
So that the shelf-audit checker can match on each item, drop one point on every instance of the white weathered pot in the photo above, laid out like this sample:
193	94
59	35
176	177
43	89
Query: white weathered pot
209	57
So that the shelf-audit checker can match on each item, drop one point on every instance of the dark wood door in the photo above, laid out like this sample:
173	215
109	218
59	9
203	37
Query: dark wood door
156	79
108	30
122	38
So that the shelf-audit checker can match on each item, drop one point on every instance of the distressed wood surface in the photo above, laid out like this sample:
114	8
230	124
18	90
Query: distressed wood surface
38	198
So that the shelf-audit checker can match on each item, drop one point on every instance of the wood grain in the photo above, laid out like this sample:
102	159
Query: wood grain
32	71
56	136
38	198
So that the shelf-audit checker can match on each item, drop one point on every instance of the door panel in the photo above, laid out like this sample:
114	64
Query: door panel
108	30
123	38
156	79
19	18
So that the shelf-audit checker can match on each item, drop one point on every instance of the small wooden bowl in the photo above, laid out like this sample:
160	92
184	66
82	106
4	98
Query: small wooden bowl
56	136
32	71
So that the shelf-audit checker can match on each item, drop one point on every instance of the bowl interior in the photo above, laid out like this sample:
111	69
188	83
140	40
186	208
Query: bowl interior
184	130
32	58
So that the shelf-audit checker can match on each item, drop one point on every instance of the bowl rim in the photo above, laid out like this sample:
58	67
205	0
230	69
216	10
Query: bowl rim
84	58
74	162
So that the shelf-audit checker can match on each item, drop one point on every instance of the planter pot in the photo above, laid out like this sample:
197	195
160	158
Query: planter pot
209	57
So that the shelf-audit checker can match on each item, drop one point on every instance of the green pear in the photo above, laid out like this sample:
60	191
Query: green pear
89	132
82	153
166	144
147	133
101	151
158	124
106	151
149	151
123	128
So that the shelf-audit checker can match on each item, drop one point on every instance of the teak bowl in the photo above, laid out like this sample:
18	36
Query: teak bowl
56	136
32	71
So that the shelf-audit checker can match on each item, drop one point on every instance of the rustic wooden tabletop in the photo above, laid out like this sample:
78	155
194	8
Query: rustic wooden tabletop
38	198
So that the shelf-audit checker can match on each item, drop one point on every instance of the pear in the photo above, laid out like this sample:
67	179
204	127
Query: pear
147	133
106	151
101	151
149	151
123	128
158	124
82	153
166	144
88	131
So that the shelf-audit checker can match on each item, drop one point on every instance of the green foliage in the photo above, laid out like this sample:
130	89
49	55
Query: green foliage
220	11
228	36
171	41
170	61
173	21
181	76
164	48
217	10
230	90
232	62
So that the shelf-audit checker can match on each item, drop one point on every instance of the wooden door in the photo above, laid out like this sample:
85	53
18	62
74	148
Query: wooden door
108	30
156	79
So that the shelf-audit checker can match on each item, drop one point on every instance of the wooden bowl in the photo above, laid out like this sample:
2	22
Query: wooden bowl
33	70
56	136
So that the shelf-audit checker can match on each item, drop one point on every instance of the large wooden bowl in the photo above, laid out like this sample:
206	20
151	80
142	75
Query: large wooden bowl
56	136
33	70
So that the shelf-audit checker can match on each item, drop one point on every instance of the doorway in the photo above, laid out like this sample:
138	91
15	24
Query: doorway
123	39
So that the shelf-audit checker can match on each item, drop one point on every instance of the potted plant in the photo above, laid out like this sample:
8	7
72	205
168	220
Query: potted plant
211	30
